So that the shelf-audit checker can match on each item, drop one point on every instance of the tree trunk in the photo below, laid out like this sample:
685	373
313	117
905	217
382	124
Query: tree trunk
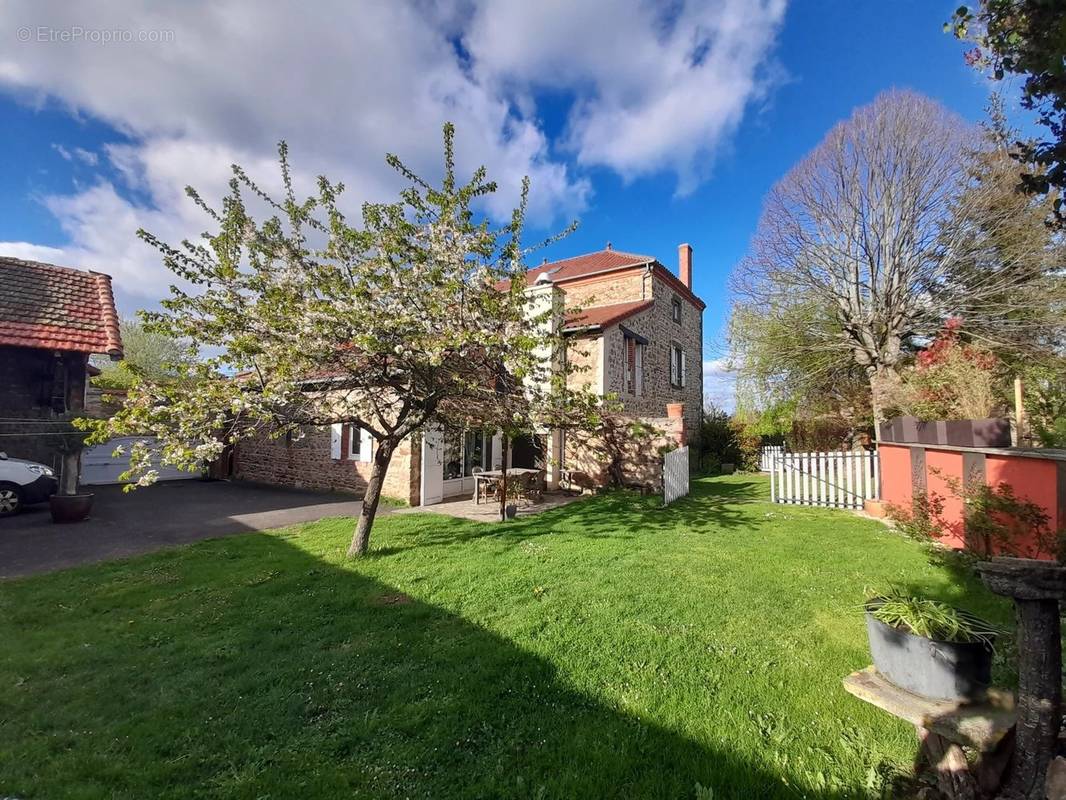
68	479
504	441
881	380
382	457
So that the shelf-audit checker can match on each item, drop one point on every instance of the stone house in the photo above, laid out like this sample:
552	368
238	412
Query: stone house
51	320
634	330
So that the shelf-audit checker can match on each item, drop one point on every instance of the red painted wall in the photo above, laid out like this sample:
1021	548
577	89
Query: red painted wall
1032	479
942	468
895	475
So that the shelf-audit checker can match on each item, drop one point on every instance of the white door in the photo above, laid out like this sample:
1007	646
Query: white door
99	466
432	465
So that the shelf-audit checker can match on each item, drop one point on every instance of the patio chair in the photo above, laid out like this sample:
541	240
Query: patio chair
580	481
483	488
532	483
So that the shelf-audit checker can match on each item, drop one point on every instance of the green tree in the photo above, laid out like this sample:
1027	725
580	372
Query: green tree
1008	247
1028	38
147	353
784	372
404	320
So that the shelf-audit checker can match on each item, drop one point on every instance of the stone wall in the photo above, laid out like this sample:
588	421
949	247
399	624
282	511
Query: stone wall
657	325
621	287
639	452
583	355
306	463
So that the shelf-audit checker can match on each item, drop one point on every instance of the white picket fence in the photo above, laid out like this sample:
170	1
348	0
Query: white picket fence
675	475
766	455
830	480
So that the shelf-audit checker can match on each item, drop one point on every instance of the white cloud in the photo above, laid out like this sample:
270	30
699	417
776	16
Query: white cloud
86	157
658	87
719	384
345	83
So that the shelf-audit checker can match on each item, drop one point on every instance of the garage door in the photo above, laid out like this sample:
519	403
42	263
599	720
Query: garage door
99	466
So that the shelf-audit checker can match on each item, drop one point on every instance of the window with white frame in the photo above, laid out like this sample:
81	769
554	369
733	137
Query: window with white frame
678	367
350	443
675	310
465	451
355	442
634	365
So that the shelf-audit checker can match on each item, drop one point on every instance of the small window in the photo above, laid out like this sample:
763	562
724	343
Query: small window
675	310
678	367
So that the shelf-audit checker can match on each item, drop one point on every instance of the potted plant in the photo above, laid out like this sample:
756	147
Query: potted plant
68	504
930	648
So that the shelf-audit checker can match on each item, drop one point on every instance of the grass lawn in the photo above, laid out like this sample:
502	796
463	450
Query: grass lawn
606	649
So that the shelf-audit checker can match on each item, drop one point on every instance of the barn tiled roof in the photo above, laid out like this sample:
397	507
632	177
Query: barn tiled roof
604	316
57	308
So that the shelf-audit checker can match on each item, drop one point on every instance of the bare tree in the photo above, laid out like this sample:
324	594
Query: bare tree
869	230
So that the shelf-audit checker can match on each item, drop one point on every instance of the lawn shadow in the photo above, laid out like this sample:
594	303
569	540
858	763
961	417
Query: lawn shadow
249	667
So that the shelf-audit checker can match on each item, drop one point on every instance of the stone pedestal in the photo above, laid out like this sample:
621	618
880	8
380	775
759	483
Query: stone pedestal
1036	587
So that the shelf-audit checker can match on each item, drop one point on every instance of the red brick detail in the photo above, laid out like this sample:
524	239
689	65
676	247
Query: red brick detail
684	265
607	264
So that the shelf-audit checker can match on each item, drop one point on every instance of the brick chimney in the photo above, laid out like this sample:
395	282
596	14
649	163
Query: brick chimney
684	264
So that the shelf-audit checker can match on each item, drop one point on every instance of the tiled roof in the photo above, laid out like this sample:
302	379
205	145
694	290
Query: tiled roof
587	264
57	308
604	316
604	261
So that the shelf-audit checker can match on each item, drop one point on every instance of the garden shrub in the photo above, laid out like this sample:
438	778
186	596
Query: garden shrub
997	521
951	379
718	440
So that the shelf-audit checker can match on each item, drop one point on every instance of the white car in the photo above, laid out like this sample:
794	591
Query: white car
22	483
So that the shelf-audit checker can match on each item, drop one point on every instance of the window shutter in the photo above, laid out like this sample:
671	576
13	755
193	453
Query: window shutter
684	369
640	369
335	432
631	364
673	365
366	443
497	450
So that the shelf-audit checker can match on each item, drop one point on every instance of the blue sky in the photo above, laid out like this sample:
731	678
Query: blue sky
647	149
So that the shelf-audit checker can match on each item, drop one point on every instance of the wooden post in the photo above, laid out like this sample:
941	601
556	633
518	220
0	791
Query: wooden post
953	776
1036	587
1019	412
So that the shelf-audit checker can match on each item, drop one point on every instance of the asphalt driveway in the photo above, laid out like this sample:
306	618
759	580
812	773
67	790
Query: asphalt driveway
166	514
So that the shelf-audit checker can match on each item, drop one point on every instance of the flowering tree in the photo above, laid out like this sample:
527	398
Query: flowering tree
951	379
414	317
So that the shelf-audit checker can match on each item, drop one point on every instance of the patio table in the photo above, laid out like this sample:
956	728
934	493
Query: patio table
496	475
